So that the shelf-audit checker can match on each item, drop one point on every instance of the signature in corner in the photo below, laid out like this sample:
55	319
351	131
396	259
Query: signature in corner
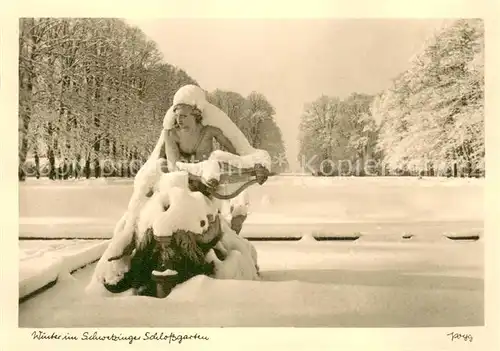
458	336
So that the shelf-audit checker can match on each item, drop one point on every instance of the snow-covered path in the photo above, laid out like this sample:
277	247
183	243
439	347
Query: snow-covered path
306	284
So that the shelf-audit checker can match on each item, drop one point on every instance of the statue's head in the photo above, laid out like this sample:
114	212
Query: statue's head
190	101
187	116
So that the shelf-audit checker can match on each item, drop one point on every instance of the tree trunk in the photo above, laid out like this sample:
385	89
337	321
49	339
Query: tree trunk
97	164
25	115
87	167
78	168
69	170
431	172
97	147
131	165
114	172
37	165
125	164
23	150
52	163
65	169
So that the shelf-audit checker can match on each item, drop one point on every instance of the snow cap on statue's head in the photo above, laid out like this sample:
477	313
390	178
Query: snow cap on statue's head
189	95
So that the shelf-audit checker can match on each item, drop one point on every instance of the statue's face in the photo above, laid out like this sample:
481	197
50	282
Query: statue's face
185	117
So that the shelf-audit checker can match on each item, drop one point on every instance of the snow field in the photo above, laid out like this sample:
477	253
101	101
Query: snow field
303	284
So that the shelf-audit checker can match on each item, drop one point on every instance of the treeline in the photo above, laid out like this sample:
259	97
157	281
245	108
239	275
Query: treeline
429	122
92	97
254	115
337	135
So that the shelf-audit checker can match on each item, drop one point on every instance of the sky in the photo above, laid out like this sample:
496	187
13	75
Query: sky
292	62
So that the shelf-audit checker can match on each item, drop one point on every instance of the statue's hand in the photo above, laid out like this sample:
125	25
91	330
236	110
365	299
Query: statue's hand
261	173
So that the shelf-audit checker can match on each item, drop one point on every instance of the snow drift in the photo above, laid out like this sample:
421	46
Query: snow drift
40	267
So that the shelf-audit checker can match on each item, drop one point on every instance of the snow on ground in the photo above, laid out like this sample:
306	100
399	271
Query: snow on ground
378	280
305	284
42	262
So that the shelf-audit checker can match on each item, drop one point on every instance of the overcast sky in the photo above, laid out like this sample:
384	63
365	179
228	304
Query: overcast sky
291	62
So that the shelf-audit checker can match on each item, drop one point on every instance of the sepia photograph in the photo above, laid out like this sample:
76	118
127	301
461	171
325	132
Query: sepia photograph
203	172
